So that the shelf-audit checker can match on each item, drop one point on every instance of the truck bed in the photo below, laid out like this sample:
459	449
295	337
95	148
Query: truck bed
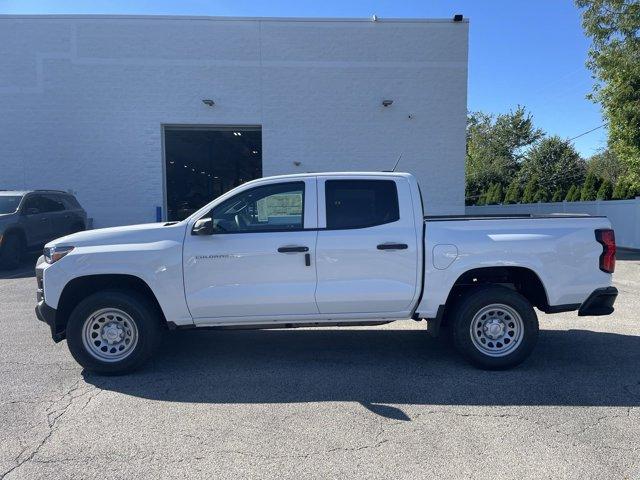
506	216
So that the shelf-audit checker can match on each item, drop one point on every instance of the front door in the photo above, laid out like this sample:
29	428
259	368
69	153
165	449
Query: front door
258	262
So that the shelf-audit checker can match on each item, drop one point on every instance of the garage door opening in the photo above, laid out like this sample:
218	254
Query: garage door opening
203	163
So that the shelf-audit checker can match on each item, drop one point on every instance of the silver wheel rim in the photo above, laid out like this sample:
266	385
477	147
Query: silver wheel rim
109	335
496	330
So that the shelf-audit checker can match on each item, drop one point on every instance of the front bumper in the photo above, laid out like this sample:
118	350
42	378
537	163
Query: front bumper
600	302
44	312
48	315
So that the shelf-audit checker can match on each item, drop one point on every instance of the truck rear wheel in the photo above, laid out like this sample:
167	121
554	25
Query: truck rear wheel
113	332
494	327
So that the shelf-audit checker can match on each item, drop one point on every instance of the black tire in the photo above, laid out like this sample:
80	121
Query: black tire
139	309
11	251
522	342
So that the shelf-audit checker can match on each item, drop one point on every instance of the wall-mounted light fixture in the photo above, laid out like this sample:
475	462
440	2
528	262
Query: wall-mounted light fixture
208	102
387	103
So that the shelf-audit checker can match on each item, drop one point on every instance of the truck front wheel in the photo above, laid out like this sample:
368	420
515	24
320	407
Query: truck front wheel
494	327
113	332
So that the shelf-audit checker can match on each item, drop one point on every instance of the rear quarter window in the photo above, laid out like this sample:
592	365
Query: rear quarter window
360	203
71	202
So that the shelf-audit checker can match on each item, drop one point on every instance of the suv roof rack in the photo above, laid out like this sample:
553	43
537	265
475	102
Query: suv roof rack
48	190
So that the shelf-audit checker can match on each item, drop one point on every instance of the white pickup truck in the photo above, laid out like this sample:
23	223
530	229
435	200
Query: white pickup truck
326	249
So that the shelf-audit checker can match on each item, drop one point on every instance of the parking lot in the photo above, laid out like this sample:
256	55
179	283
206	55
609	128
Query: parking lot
384	402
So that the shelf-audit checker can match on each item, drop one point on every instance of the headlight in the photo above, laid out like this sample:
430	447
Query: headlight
53	254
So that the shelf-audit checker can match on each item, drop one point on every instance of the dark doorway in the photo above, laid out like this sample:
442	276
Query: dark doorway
203	163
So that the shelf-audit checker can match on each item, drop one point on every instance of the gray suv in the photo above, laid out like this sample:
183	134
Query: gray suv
29	219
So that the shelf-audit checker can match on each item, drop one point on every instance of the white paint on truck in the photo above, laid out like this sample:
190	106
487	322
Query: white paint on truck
364	262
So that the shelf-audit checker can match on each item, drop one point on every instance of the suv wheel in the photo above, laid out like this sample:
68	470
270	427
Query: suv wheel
11	251
113	332
494	327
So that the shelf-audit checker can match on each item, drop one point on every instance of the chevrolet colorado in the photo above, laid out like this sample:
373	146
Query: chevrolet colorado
326	249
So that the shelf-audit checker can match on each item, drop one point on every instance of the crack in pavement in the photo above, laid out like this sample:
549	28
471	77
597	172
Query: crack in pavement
53	418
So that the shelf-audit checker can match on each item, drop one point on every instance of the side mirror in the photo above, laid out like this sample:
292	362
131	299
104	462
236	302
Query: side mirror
204	226
32	211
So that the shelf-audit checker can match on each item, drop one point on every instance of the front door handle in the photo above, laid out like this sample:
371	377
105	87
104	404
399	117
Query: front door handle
393	246
293	249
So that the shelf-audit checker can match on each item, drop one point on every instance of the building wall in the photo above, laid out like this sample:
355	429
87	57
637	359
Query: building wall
83	100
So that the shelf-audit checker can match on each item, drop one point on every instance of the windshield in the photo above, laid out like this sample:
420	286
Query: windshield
9	204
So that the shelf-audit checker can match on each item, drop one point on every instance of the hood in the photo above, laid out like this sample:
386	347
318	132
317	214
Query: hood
144	233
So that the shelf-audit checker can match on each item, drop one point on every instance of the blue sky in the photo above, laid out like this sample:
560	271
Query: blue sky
527	53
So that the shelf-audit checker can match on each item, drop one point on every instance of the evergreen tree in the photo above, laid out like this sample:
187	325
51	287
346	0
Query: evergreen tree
482	198
571	193
513	192
605	191
557	196
497	194
620	192
589	188
576	195
530	190
541	195
491	194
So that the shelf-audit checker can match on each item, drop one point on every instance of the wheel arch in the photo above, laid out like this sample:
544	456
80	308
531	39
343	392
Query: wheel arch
81	287
521	279
17	230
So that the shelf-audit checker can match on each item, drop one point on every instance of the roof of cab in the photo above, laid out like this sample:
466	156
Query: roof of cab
333	174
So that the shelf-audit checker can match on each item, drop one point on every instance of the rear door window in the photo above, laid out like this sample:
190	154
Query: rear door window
51	203
360	203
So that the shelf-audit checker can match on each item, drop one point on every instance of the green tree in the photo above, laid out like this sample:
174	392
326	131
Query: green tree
557	196
497	194
555	163
605	191
541	195
495	146
571	193
589	188
491	194
606	166
512	194
576	194
481	199
530	190
614	59
620	190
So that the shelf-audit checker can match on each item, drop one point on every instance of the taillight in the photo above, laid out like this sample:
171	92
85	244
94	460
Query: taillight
607	239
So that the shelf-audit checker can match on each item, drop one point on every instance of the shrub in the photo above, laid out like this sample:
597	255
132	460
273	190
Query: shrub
590	188
605	191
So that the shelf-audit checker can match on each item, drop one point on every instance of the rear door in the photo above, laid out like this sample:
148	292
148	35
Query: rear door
59	217
367	248
36	220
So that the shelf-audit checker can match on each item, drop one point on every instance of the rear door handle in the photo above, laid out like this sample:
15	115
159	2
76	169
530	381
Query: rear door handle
293	249
393	246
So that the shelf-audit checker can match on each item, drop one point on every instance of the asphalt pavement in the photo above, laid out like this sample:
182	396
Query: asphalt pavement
366	402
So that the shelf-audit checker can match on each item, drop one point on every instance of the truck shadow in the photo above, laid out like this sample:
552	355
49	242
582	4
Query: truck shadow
379	367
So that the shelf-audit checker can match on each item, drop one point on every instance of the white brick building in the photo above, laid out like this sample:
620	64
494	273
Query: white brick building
111	107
